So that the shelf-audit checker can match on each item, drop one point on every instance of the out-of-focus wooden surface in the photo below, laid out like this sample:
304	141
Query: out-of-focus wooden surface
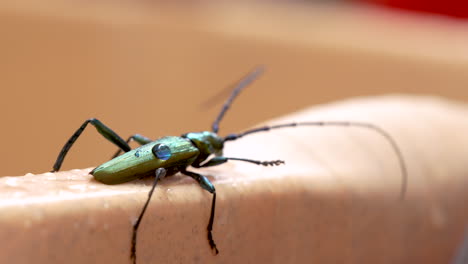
146	69
336	200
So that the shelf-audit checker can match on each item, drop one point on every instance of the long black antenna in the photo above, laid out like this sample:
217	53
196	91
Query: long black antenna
404	173
244	82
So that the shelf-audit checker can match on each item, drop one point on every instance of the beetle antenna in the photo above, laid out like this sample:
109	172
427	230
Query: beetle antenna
404	172
244	82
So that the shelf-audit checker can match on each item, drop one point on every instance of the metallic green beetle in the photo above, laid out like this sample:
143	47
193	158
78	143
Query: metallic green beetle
169	155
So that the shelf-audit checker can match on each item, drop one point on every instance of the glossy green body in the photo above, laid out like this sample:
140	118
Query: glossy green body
141	162
165	157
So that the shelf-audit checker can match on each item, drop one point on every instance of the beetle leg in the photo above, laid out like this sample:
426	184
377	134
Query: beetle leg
220	160
160	173
142	140
108	133
207	185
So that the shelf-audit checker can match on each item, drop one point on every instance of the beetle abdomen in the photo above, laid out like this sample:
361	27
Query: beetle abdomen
140	162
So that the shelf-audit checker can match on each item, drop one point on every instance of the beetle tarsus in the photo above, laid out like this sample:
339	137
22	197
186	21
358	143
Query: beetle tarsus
272	163
210	227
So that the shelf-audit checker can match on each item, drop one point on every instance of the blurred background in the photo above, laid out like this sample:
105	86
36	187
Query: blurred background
149	67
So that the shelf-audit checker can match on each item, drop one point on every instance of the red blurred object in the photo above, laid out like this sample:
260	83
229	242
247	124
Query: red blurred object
456	8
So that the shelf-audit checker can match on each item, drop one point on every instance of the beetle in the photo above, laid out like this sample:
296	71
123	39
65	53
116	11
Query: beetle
172	154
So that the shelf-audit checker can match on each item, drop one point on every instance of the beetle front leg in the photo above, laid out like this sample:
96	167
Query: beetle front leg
207	185
220	160
108	133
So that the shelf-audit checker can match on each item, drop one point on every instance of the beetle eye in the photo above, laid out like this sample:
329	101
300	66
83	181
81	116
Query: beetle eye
161	151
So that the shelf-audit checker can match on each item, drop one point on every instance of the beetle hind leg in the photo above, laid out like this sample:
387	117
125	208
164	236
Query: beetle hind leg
105	131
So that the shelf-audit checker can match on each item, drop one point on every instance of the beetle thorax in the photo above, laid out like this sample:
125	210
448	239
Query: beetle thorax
207	142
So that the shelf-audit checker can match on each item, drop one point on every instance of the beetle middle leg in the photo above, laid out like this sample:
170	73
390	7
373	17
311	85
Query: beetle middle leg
142	140
108	133
160	173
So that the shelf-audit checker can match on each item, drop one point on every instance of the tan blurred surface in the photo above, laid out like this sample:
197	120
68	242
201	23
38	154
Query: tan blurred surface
147	69
335	201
